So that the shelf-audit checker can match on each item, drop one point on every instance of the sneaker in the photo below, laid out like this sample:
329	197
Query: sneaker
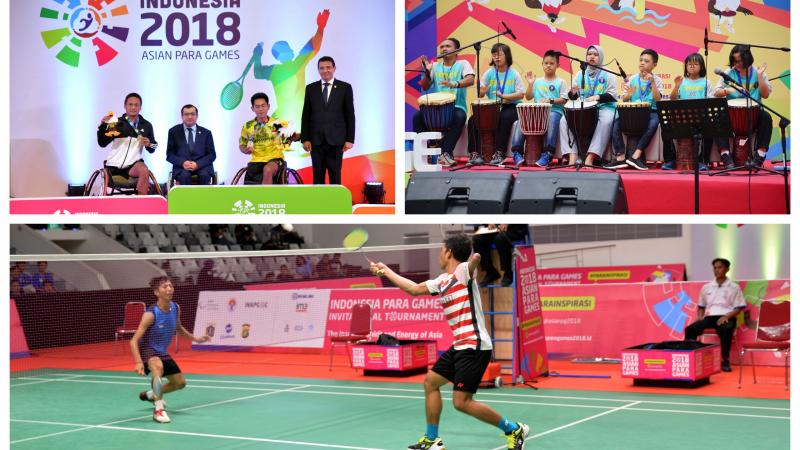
161	416
490	278
637	163
497	159
516	439
668	165
703	167
544	159
446	160
475	159
616	164
726	366
727	160
143	397
518	159
757	160
427	444
507	280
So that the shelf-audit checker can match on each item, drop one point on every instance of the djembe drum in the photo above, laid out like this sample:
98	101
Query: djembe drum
581	122
437	110
743	122
534	119
633	120
487	115
684	154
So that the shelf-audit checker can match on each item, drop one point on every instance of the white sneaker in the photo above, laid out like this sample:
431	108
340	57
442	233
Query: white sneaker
161	416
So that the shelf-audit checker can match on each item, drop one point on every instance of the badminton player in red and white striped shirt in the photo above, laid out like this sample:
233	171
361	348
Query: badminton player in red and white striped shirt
464	363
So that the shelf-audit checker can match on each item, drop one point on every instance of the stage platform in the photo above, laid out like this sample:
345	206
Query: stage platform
657	191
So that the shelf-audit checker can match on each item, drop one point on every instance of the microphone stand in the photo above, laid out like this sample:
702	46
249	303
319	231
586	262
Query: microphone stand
784	122
579	162
477	46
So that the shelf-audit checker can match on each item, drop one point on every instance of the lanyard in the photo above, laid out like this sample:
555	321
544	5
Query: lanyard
135	125
739	78
592	86
505	78
643	93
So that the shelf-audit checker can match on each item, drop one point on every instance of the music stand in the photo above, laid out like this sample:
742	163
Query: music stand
697	119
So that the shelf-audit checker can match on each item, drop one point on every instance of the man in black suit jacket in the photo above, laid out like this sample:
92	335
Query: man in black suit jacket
329	122
190	149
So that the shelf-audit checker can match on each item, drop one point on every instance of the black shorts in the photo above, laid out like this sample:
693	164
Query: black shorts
463	368
255	172
170	366
115	171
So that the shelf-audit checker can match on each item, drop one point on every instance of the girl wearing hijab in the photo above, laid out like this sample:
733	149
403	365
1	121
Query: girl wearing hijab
600	87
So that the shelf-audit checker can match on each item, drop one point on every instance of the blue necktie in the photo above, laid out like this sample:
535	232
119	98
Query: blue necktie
325	93
191	138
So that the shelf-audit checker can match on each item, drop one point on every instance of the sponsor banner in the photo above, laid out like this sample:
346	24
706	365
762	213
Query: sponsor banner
660	273
393	312
260	200
19	345
241	319
600	320
531	346
120	204
337	283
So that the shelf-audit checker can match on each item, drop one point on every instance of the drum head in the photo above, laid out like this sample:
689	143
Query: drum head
740	103
633	104
484	101
436	98
576	104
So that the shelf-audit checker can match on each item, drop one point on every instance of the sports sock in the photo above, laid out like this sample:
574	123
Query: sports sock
762	153
507	426
159	404
432	431
156	383
149	395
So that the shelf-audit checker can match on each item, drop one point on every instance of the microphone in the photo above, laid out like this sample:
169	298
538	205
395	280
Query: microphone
727	77
624	75
508	30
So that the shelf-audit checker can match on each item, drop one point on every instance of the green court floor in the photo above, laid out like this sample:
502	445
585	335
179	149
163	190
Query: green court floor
101	410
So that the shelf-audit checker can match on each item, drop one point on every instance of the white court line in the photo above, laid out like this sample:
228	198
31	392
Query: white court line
544	433
482	394
142	417
417	397
707	413
186	433
42	380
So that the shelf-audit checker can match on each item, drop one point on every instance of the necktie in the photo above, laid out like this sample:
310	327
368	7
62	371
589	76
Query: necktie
191	138
325	93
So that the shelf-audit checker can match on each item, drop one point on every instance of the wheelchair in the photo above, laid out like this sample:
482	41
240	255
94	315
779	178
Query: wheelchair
171	182
285	175
101	183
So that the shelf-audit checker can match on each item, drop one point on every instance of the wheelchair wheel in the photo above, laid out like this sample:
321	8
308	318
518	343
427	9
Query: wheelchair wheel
292	177
97	186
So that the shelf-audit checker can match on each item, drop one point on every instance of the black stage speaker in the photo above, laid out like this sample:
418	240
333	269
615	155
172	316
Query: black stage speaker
568	193
458	192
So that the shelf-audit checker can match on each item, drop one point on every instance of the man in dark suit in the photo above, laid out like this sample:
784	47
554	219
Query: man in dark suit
329	122
190	149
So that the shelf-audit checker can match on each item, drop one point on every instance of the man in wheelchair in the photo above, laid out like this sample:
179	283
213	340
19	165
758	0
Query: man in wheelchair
128	136
261	138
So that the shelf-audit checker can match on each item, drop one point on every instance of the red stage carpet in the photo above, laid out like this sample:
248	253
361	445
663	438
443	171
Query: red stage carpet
659	191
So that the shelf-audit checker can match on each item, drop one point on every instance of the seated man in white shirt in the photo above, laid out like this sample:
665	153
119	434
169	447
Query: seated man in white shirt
724	301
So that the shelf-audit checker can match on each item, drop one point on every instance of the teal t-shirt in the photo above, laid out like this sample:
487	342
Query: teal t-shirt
543	90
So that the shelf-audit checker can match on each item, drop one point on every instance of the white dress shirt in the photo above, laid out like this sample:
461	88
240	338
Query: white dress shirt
720	299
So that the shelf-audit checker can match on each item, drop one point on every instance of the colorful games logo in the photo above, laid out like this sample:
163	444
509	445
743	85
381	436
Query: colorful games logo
71	24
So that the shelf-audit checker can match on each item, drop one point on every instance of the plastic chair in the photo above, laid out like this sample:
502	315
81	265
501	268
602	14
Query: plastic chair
772	335
360	327
132	317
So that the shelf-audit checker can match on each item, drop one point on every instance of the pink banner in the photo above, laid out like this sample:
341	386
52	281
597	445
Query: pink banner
19	345
408	355
659	273
531	344
337	283
601	320
690	365
393	312
120	204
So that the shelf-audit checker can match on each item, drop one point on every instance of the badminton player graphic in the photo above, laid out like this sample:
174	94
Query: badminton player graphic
156	331
287	77
464	363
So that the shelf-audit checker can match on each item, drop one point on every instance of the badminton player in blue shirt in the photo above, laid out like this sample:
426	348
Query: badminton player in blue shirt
155	331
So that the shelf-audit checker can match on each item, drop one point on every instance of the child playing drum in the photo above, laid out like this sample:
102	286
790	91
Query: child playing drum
756	83
502	83
600	87
691	86
549	89
642	87
449	75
